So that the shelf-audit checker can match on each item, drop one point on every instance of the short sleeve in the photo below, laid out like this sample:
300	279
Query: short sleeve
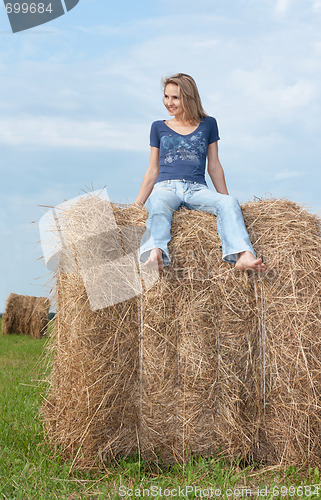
154	136
213	132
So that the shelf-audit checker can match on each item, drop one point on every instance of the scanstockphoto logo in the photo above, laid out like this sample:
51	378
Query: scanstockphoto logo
24	15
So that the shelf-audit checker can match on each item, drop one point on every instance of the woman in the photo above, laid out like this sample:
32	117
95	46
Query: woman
175	176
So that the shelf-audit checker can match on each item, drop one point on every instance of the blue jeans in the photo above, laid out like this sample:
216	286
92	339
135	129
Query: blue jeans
168	196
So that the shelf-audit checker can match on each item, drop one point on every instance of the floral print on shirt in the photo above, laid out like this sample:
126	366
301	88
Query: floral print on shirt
184	148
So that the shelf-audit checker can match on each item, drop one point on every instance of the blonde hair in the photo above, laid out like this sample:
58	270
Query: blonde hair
191	102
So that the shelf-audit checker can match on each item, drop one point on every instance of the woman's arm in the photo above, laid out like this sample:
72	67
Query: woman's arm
150	177
215	169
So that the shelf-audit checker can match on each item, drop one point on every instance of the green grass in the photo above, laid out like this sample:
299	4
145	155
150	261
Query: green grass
30	469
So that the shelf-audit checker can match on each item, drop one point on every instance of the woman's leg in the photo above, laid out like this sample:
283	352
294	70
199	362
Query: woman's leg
236	245
161	205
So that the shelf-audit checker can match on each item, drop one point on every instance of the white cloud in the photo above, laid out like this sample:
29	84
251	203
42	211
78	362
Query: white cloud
200	46
266	87
287	174
282	6
254	142
62	132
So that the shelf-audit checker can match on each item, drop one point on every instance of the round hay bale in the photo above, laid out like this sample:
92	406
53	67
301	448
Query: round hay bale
26	315
206	359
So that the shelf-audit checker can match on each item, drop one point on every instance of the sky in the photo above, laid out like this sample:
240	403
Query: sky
78	96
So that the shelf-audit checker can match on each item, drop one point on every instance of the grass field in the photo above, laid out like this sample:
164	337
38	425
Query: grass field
30	469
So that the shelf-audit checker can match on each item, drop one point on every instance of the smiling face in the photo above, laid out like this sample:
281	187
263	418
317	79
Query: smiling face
172	101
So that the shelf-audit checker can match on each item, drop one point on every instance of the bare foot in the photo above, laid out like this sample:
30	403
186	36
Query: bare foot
246	261
155	260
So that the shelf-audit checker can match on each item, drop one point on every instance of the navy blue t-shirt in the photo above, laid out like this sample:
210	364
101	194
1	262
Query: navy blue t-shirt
183	156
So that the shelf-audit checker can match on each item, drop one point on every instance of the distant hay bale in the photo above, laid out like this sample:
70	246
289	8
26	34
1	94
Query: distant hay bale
206	359
26	315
